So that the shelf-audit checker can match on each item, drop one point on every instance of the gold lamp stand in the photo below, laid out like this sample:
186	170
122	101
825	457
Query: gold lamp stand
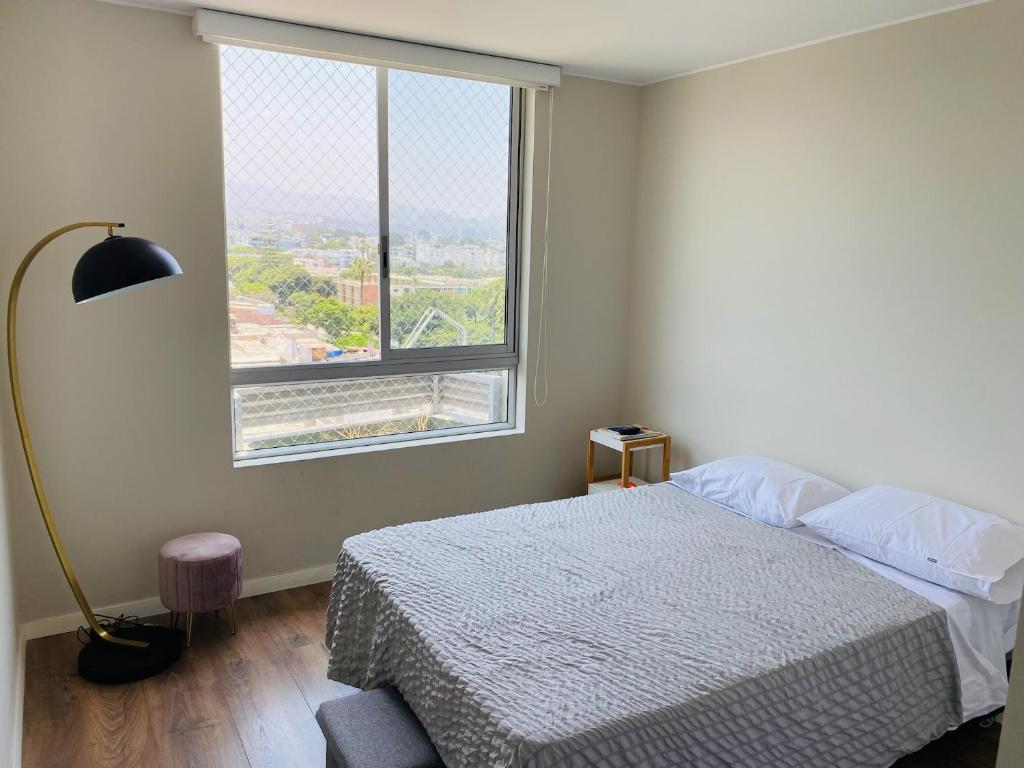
26	440
114	265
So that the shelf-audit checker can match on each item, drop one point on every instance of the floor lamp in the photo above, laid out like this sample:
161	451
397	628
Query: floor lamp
131	651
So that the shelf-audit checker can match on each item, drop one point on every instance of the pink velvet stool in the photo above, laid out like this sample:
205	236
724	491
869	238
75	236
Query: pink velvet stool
198	573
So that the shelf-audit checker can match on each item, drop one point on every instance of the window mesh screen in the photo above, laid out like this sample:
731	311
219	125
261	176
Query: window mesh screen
301	194
448	170
308	413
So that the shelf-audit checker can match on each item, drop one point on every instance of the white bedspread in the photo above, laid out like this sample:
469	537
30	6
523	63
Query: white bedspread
982	632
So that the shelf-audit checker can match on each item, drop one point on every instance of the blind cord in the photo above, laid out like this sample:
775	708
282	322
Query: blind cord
542	329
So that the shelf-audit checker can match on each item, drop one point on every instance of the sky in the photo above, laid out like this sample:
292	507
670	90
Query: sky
300	135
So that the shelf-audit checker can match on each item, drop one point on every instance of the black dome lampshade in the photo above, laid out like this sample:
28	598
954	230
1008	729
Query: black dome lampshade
118	264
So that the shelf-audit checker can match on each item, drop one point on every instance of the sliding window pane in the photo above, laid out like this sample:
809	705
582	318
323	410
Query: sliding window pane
448	182
314	413
301	194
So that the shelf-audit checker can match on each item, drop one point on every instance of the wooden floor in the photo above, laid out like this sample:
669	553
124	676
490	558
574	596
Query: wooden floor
247	700
231	702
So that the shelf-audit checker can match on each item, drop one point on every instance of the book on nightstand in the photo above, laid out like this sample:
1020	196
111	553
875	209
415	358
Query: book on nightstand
629	432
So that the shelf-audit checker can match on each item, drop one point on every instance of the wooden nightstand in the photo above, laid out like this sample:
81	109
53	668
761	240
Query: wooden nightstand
626	448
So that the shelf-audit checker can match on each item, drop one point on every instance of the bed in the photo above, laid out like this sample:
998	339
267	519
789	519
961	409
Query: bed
650	627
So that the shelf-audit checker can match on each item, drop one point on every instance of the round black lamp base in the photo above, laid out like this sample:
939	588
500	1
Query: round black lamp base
109	664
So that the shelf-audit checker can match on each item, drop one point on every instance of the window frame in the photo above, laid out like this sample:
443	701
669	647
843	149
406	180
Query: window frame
425	360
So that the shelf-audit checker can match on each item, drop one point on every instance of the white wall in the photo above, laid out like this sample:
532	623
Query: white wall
828	265
117	115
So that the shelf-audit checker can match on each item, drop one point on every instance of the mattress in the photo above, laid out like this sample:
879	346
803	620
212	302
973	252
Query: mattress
641	628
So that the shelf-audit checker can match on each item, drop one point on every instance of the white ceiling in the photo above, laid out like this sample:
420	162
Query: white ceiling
633	41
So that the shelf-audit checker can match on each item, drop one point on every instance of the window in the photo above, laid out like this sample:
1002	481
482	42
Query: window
372	256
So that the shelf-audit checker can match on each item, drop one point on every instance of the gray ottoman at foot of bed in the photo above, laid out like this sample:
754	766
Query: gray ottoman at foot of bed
374	729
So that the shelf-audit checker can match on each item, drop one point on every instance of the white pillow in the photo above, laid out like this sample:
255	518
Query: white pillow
945	543
761	488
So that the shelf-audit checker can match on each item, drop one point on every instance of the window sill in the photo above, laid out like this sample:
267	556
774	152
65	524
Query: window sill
373	447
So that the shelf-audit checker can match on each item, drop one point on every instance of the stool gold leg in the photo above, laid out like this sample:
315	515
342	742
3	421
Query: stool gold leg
231	615
188	629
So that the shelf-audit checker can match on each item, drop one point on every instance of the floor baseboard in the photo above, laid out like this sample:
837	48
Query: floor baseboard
150	606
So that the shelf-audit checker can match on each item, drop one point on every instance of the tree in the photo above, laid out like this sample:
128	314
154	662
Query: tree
254	290
484	308
333	315
408	309
366	320
323	286
333	243
286	280
242	248
360	269
300	307
253	269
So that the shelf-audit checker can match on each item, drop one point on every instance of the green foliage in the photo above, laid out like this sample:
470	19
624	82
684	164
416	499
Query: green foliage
278	273
286	280
251	268
242	248
481	312
333	315
256	290
333	244
299	306
420	270
354	340
323	286
366	319
306	300
360	269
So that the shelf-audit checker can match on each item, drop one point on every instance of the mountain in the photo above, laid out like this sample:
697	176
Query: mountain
252	204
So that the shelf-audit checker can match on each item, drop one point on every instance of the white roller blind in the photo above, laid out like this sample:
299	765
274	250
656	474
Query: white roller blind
234	29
